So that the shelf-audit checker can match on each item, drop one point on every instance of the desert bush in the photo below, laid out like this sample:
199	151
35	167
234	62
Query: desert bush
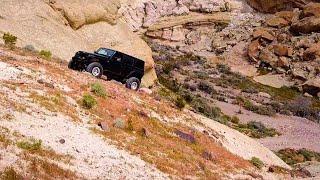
201	75
88	101
205	108
9	39
119	123
180	103
301	106
292	156
257	162
223	68
248	105
30	145
98	90
256	130
235	120
206	87
46	54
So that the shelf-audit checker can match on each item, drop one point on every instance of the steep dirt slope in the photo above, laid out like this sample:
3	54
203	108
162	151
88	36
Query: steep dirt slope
41	100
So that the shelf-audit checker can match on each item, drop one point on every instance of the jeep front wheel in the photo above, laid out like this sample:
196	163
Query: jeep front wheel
133	83
95	69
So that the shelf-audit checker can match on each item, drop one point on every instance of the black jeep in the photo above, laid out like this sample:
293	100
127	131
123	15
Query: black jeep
114	64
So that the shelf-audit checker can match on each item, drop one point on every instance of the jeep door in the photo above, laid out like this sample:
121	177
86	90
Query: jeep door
115	64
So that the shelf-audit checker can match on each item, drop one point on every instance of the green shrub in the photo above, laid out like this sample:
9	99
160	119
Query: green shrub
88	101
206	87
257	162
46	54
235	120
31	145
98	90
119	123
292	156
256	130
223	68
206	108
180	103
9	39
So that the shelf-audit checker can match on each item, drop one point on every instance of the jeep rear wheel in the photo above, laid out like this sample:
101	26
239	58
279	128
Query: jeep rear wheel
133	83
95	69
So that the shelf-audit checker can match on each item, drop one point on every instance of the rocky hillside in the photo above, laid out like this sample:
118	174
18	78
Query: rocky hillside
236	98
57	123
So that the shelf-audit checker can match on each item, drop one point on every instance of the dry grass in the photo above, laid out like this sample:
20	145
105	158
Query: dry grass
44	169
54	101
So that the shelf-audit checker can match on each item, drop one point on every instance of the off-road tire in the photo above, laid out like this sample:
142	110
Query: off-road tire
133	83
95	69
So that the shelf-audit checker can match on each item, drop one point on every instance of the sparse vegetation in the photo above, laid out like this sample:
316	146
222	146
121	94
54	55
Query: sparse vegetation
9	39
30	145
256	130
257	162
88	101
46	54
248	105
98	90
120	123
180	103
292	156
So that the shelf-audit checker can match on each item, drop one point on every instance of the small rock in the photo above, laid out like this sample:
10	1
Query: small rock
145	132
253	50
283	62
188	137
40	81
104	126
263	94
282	50
277	22
208	156
62	141
263	33
307	95
145	91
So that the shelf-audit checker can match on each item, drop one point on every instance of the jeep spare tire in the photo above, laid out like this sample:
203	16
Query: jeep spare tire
95	69
133	83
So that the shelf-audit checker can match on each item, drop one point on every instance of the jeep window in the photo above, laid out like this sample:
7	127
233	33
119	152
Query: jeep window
105	52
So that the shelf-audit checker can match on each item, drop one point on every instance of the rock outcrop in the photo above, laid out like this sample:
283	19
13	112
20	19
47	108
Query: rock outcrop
272	6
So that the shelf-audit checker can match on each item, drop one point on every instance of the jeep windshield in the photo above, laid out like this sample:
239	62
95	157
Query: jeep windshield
105	52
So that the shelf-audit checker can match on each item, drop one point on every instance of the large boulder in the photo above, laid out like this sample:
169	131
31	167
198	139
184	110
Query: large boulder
312	86
311	9
272	6
306	25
